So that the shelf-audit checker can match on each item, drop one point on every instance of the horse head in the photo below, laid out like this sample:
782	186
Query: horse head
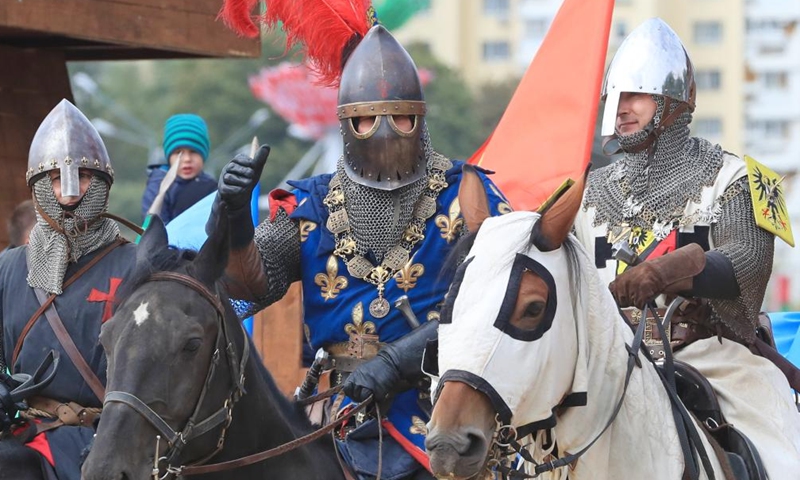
171	364
510	352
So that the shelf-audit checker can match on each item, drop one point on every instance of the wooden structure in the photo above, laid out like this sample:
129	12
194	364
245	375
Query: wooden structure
278	335
38	37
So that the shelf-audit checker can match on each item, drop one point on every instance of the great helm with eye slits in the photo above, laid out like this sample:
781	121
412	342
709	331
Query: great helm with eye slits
651	60
67	141
380	79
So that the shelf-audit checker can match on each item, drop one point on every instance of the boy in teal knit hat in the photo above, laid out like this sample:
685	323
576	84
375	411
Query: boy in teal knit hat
185	141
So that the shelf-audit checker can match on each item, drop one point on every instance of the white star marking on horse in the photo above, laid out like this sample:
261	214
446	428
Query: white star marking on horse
140	315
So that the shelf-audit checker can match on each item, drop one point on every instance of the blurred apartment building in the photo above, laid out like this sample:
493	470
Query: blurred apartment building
746	55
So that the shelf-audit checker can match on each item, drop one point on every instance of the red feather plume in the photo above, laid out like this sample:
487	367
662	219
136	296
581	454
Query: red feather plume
236	15
327	29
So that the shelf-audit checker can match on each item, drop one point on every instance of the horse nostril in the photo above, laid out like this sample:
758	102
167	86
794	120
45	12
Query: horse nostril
475	445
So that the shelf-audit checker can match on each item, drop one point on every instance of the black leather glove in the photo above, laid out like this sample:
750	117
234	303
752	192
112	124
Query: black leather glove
236	183
8	408
396	365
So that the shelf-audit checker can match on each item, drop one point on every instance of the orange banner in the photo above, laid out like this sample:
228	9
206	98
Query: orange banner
545	135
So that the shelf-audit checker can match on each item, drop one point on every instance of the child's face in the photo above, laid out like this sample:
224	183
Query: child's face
191	162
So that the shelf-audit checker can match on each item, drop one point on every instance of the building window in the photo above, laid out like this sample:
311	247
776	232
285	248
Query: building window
707	33
775	80
769	129
496	8
536	28
496	51
708	79
776	129
708	127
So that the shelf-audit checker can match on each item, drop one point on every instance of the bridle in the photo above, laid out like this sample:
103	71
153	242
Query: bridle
164	466
506	440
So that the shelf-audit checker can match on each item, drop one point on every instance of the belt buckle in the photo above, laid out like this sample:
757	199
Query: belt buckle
654	345
358	343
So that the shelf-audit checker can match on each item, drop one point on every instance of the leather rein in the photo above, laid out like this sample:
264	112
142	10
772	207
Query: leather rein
507	440
164	466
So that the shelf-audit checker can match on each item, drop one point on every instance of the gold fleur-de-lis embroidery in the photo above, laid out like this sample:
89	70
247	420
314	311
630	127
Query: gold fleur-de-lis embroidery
407	276
345	246
306	227
498	192
331	282
433	315
418	426
359	326
450	224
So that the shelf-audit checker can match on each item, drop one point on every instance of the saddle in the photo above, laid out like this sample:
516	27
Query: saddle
699	398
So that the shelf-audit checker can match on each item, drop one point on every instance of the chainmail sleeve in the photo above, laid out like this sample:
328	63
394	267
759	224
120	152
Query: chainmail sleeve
278	243
750	250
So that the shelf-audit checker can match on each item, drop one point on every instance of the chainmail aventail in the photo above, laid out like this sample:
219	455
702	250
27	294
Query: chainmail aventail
50	251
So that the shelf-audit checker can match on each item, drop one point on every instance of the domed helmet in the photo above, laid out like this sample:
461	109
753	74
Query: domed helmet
651	60
380	79
67	141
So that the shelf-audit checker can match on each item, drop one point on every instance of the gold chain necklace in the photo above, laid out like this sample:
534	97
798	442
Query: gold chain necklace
359	267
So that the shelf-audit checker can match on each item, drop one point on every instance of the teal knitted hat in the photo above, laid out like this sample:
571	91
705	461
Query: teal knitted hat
186	130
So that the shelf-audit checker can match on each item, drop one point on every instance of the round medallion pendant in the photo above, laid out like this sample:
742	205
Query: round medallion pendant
379	307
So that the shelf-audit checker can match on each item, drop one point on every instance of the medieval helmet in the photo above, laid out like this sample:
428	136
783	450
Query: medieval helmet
651	60
66	140
381	80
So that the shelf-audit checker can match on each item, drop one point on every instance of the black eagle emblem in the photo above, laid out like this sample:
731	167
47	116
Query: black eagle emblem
770	191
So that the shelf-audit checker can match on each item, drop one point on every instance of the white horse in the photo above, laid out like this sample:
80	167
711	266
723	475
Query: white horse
531	339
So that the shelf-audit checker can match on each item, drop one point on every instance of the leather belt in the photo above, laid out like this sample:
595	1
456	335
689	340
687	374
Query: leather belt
681	332
347	356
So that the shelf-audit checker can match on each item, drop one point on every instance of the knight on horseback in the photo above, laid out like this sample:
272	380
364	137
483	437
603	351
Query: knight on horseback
685	206
377	228
56	292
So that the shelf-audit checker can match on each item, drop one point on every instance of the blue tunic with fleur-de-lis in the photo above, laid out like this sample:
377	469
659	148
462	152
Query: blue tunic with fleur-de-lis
336	304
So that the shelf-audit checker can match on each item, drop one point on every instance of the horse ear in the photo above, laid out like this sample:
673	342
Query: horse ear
153	240
211	260
472	198
557	218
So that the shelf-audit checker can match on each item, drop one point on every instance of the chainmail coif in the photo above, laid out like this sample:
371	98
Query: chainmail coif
642	189
654	186
49	251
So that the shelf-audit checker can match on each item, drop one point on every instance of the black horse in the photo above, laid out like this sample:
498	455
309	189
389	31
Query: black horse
18	462
161	345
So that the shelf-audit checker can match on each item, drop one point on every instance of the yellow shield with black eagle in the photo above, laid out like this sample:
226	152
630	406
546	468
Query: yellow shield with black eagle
769	204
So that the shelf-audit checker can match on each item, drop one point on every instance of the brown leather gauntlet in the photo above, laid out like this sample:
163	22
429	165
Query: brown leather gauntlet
672	273
244	274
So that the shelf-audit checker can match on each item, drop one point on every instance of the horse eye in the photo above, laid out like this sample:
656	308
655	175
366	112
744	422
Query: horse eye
534	309
192	345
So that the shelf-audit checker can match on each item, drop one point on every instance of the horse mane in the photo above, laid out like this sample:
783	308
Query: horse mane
169	259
